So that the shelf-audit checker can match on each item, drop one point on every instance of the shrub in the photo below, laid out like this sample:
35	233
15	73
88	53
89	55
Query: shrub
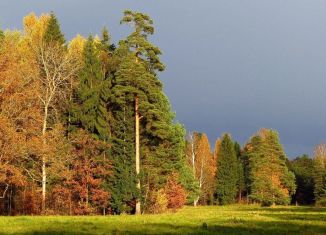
175	193
321	202
158	202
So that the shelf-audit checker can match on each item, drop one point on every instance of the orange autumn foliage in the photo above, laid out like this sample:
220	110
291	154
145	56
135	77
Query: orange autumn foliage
175	193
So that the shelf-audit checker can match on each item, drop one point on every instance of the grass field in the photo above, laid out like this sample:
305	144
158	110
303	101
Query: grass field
202	220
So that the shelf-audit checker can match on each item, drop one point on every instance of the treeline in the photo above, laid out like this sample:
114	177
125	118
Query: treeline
85	128
260	172
256	173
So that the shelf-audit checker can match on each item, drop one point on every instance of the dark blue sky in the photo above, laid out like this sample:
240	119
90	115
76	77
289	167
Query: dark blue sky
232	66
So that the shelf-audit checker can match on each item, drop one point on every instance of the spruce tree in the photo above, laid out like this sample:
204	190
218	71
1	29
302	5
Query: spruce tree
241	184
89	110
1	34
107	57
53	32
303	168
227	176
271	182
105	40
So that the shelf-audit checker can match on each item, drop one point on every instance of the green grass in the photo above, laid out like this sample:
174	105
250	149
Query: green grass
233	219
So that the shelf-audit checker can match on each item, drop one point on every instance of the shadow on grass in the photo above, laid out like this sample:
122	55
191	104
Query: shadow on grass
241	227
301	209
305	217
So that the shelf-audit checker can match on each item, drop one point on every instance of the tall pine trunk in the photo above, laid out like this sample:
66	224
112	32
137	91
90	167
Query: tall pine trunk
138	211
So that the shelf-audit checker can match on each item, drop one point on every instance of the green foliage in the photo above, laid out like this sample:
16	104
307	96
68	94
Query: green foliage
227	176
189	182
2	35
137	41
91	96
237	149
303	169
319	180
53	32
105	41
241	181
123	181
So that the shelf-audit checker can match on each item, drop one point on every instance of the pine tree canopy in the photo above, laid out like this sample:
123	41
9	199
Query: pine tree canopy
137	41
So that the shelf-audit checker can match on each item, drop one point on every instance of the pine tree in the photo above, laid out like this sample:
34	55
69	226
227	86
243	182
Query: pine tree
226	177
147	54
123	185
137	100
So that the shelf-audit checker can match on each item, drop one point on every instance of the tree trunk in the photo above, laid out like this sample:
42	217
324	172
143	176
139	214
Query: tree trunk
240	197
10	201
70	204
137	212
43	185
196	201
193	155
43	159
86	199
200	181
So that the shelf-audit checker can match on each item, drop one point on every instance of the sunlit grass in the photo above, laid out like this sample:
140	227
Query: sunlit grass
233	219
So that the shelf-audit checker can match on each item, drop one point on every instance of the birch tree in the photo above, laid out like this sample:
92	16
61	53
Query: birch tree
56	67
202	163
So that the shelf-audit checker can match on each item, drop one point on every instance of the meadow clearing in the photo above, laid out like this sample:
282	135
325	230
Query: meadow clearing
233	219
